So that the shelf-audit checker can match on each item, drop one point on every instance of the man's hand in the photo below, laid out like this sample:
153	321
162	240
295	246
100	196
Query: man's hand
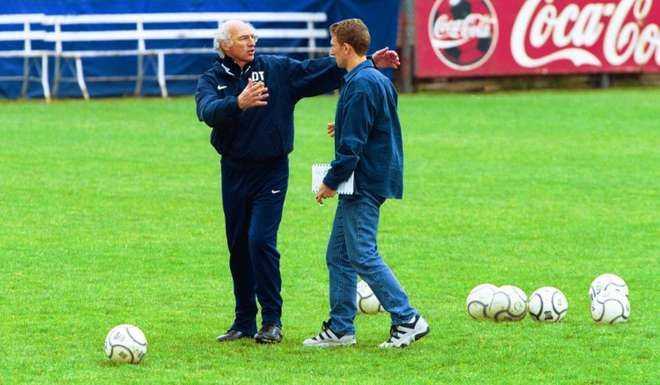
331	129
254	95
386	58
324	192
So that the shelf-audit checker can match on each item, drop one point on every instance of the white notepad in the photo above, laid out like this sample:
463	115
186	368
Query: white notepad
319	172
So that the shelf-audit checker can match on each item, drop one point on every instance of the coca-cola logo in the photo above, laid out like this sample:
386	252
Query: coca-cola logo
463	33
547	31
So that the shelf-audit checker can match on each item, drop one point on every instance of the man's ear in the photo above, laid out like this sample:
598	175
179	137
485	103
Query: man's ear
225	45
347	47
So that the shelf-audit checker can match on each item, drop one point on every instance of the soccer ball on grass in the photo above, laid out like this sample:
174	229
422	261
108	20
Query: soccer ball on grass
125	343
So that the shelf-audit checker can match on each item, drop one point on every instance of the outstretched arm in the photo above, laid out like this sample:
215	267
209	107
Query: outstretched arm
319	76
313	76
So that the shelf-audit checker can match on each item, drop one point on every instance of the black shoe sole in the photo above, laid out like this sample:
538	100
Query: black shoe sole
420	335
222	341
265	341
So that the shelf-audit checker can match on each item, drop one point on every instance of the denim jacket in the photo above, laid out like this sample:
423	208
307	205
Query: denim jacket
368	134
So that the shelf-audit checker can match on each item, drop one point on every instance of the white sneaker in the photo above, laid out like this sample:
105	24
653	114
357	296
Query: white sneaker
328	339
405	334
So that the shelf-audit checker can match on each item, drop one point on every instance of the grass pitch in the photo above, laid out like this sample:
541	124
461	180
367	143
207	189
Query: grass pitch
111	214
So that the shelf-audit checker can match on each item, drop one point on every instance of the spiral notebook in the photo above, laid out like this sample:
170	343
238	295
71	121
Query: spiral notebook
319	172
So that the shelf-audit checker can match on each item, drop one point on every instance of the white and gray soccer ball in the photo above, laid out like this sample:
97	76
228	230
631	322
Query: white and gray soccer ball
509	303
125	343
547	304
366	300
479	299
610	307
607	282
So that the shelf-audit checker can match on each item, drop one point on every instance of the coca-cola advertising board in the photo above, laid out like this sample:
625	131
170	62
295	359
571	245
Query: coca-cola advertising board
460	38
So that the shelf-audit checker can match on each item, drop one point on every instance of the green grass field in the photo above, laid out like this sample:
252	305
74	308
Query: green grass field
111	214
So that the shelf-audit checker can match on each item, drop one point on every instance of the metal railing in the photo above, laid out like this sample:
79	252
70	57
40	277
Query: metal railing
59	30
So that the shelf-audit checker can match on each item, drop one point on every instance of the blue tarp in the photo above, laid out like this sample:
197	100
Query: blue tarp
380	16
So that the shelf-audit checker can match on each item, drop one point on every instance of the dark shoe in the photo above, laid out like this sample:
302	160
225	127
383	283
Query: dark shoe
232	335
269	334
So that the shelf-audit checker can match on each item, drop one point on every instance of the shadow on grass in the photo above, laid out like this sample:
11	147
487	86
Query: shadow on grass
113	364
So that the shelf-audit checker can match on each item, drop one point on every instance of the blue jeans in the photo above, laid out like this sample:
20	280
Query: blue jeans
352	251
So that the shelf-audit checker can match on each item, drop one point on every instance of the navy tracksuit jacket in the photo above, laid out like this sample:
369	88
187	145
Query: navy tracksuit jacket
254	145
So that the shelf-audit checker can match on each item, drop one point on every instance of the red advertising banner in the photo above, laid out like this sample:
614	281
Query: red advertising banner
460	38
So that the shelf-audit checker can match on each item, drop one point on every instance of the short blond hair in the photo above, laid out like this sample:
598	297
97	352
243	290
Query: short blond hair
354	33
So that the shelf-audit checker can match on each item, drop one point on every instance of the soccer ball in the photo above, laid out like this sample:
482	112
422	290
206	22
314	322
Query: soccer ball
366	300
125	343
547	304
610	306
479	299
607	282
509	303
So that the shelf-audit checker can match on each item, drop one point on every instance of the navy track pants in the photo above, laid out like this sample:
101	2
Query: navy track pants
253	199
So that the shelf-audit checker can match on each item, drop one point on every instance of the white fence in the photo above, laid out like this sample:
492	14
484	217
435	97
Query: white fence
138	30
27	35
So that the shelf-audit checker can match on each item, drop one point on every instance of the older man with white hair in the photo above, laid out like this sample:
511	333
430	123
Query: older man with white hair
248	102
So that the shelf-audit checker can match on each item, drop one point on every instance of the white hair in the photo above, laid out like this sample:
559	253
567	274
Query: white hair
223	35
